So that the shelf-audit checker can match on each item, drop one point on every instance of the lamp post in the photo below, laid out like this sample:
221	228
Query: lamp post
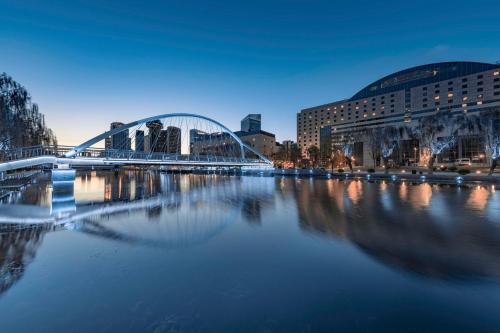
415	154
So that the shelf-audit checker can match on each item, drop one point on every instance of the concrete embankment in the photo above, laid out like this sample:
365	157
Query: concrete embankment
437	177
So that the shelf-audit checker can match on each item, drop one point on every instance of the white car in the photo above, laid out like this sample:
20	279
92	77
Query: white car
463	162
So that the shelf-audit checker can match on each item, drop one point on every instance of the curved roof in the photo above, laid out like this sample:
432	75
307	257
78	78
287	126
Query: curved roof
421	75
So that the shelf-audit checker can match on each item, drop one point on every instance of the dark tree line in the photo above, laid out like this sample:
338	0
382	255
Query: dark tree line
21	124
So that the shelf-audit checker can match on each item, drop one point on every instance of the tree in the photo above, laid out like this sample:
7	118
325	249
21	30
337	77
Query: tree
313	152
373	139
436	133
295	154
21	123
346	144
487	124
390	139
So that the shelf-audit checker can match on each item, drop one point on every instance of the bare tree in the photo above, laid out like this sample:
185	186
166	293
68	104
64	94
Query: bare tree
487	125
391	138
345	143
373	139
436	133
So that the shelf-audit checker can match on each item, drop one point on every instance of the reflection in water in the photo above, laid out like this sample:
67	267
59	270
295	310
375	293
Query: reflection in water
17	250
437	231
443	241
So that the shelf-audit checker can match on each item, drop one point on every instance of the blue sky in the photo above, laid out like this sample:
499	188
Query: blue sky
87	63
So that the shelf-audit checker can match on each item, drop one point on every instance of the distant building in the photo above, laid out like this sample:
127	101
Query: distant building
262	141
252	135
154	128
119	141
251	123
218	143
139	140
169	141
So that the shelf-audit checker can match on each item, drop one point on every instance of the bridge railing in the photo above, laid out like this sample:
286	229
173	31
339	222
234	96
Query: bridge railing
60	150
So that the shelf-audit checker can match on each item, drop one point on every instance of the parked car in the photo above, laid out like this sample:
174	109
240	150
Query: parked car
463	162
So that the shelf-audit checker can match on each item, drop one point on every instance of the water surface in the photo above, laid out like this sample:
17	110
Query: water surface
150	252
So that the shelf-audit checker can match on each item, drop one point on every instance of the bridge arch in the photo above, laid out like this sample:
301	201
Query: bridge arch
78	149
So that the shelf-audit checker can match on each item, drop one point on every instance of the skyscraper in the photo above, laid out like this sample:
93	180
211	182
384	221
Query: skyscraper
139	140
251	123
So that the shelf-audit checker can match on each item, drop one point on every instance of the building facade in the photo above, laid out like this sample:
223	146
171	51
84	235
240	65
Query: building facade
401	99
262	141
251	123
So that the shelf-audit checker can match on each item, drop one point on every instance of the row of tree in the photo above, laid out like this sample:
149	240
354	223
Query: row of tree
21	124
435	133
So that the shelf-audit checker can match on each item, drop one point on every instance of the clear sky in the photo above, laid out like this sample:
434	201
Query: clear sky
88	63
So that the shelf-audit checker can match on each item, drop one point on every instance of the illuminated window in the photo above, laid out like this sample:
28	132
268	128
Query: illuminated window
464	105
450	95
465	98
496	73
373	114
479	102
436	97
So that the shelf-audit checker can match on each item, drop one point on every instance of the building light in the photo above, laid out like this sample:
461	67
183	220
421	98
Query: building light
328	109
373	114
342	119
357	107
342	106
365	101
464	105
450	95
465	98
496	73
364	115
479	102
436	97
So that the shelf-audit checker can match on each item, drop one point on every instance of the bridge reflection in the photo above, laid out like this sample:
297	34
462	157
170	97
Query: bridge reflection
412	228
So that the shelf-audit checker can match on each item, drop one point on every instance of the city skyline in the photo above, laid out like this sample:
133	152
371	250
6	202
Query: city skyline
223	60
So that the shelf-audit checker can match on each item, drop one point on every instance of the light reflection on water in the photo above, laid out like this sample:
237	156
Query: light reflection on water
342	247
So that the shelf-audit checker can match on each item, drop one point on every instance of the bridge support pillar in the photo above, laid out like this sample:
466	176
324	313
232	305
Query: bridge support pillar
63	198
63	173
2	175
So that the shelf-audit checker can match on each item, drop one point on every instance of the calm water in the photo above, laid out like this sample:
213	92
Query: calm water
148	252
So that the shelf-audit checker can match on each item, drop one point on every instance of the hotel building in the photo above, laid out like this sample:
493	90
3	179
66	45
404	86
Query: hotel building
402	98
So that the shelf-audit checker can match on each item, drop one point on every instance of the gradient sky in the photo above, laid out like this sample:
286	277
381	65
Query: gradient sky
88	63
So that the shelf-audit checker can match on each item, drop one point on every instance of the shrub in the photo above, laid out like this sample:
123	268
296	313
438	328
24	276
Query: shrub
340	170
453	168
463	171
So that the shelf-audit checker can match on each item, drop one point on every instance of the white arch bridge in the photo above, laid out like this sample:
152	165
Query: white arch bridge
174	139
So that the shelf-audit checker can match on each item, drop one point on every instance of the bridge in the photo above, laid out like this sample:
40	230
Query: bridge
181	140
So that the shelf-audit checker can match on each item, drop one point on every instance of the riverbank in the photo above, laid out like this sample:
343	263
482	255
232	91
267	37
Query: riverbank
436	177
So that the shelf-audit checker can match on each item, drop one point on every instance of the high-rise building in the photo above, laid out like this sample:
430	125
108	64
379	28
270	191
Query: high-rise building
119	141
169	141
139	140
154	127
401	99
251	123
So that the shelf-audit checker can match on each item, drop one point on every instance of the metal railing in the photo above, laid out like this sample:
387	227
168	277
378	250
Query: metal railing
112	154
